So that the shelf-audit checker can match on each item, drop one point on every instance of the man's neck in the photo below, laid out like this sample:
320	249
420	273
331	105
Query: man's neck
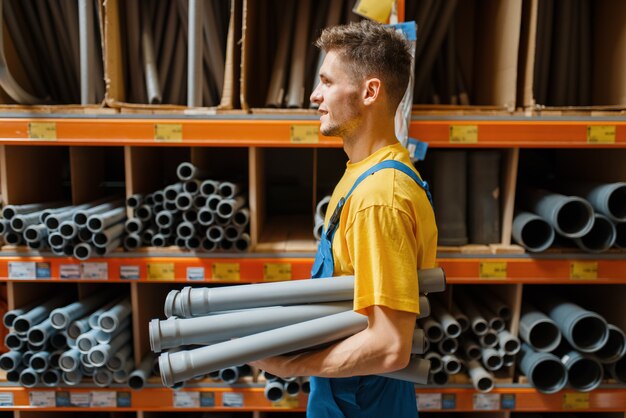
368	139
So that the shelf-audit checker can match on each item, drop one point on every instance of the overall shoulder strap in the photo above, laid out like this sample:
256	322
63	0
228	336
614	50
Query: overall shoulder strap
395	165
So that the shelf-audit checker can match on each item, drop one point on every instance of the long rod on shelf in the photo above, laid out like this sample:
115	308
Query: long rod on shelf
149	61
194	54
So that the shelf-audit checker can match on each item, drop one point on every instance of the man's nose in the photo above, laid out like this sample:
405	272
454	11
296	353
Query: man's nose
316	96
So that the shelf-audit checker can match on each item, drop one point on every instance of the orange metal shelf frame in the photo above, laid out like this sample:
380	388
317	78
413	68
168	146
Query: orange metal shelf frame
461	270
270	131
252	399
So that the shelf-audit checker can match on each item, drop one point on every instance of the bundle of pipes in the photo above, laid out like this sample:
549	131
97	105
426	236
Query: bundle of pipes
195	213
567	344
52	342
472	332
57	45
276	389
176	51
592	216
240	324
82	231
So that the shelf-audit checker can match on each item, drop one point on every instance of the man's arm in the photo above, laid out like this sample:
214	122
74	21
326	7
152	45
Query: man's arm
384	346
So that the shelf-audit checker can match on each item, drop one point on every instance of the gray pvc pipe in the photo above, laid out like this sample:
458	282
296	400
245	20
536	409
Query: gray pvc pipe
99	222
184	365
543	370
101	353
436	361
144	213
274	390
9	317
87	340
600	238
451	364
241	218
586	331
132	242
538	330
81	217
449	324
508	342
460	317
242	243
205	217
482	380
133	225
29	378
102	377
228	189
83	251
478	324
192	187
95	315
185	229
69	360
583	373
227	207
72	377
212	201
151	76
37	314
209	187
607	198
51	377
35	233
416	372
171	191
39	361
195	77
232	232
570	216
614	348
210	329
201	301
104	337
135	200
292	388
9	211
118	360
491	358
62	317
137	379
439	378
87	52
532	232
20	222
184	201
121	376
418	342
617	370
489	339
471	349
448	345
111	319
10	360
110	234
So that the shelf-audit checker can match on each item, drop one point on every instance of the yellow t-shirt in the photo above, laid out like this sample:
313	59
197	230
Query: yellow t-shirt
386	232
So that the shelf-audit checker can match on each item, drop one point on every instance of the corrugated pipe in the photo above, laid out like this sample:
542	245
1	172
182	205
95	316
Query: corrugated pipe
586	331
570	216
538	330
543	370
202	301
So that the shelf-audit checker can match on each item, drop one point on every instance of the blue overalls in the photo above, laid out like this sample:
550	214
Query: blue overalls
359	396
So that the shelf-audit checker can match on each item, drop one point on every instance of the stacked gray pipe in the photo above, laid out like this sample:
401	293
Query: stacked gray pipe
195	213
53	226
47	356
472	332
262	328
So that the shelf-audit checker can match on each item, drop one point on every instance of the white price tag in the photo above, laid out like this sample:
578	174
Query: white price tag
232	399
486	401
22	270
43	399
428	401
99	271
184	399
103	399
80	399
6	399
195	273
129	272
69	271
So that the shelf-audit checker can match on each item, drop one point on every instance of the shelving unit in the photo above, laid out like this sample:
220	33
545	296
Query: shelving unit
76	152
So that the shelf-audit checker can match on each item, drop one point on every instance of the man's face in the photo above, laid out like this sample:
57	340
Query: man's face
338	98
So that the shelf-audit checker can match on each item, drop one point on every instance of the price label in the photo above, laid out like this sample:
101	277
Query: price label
168	132
287	402
601	134
232	399
195	273
6	399
129	272
124	399
43	131
225	271
583	270
428	401
304	134
493	270
42	399
486	401
378	10
184	399
276	272
161	271
80	399
22	270
94	271
103	399
576	400
43	270
69	271
463	134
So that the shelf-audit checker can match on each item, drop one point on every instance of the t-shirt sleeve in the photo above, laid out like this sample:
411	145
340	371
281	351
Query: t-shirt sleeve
383	249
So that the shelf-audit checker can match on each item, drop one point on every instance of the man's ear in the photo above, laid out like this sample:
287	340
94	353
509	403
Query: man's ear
371	91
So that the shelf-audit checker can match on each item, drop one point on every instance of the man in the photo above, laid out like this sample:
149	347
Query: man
381	232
